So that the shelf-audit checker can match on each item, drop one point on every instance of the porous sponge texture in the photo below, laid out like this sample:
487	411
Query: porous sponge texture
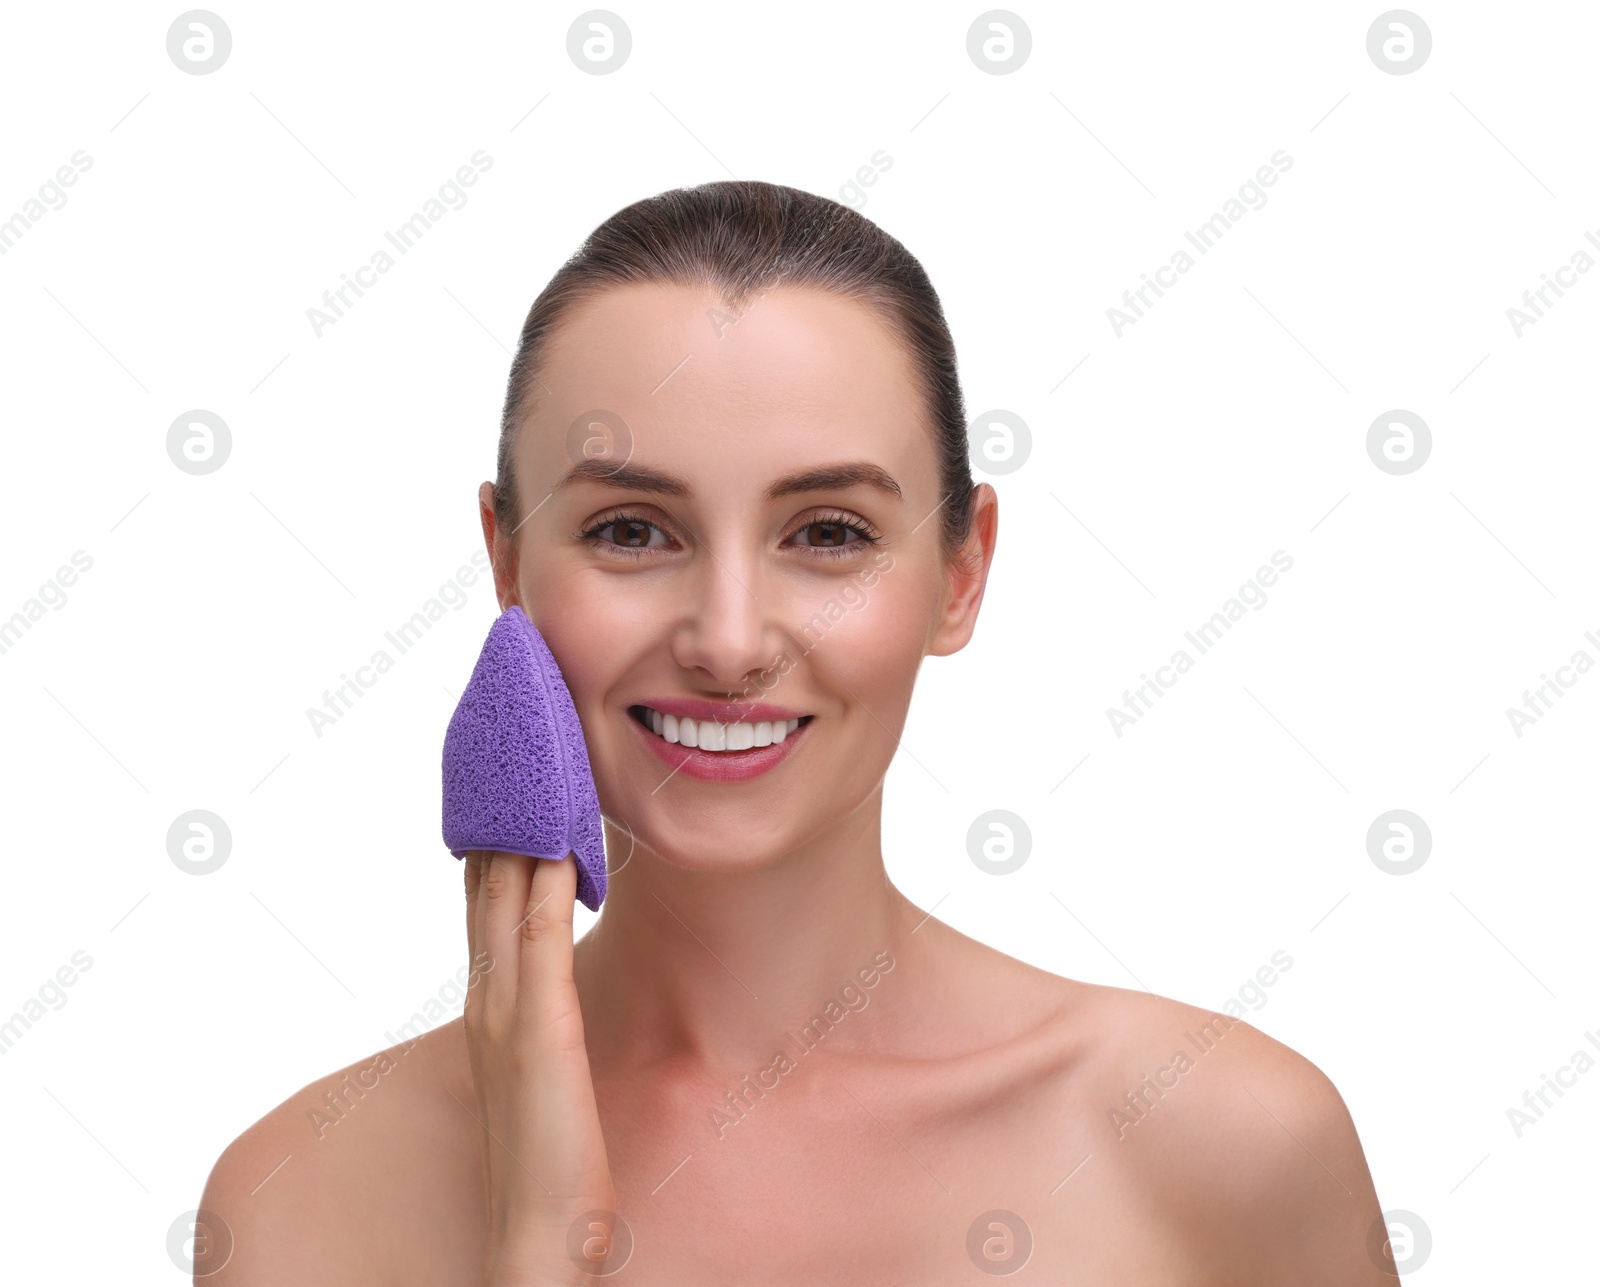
516	768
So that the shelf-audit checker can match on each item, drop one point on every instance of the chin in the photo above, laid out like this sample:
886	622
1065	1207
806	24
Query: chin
725	839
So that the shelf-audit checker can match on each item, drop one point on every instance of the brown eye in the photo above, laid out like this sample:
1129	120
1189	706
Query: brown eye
836	535
627	532
827	534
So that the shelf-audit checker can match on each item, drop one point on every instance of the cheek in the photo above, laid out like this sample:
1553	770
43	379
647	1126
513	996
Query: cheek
590	627
871	638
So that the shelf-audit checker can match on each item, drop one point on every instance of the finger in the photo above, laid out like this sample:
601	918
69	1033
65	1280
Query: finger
480	903
472	878
545	988
503	898
477	912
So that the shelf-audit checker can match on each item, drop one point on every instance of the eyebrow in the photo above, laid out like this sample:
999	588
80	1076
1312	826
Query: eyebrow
639	478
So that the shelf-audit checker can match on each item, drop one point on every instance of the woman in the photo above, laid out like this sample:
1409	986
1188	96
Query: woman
734	495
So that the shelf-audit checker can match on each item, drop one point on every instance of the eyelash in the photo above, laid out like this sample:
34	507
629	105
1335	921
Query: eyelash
869	535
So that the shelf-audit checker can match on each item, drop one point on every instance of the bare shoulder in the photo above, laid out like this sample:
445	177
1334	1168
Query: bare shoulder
364	1175
1248	1143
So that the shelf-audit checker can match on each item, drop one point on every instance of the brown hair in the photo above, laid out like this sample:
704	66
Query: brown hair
742	237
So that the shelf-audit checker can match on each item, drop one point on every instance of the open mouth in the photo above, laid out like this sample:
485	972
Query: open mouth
709	735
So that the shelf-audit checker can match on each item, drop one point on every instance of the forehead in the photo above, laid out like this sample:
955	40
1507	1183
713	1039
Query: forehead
794	375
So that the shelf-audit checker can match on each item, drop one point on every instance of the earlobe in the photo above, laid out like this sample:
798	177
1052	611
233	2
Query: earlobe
968	575
502	558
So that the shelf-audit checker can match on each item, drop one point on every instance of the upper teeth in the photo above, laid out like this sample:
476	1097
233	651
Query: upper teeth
708	735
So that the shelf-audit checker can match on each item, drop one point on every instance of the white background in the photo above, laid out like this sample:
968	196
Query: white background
1227	423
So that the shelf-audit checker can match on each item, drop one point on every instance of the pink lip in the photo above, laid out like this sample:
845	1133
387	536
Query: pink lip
721	712
718	766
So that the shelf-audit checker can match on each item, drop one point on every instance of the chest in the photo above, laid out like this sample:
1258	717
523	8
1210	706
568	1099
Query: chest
834	1177
850	1174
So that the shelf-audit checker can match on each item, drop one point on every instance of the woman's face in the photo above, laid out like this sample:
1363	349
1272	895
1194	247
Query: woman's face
735	516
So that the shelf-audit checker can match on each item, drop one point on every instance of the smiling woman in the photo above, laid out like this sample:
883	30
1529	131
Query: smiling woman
740	578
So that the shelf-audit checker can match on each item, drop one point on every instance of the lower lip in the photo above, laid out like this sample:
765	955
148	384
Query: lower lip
720	766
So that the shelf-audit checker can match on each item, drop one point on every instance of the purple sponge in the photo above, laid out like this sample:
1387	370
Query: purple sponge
516	770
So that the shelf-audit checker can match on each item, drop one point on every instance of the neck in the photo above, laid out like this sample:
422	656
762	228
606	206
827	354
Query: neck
717	966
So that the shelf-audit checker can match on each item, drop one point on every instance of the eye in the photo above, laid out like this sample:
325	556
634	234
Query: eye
629	534
829	534
626	534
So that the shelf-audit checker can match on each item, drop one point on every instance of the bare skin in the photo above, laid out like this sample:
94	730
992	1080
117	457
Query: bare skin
1120	1137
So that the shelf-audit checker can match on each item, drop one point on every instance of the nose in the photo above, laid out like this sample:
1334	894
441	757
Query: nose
727	632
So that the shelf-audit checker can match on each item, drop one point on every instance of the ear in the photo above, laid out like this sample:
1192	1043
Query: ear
968	575
502	549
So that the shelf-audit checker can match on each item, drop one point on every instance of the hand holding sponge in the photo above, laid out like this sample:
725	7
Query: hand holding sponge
516	768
